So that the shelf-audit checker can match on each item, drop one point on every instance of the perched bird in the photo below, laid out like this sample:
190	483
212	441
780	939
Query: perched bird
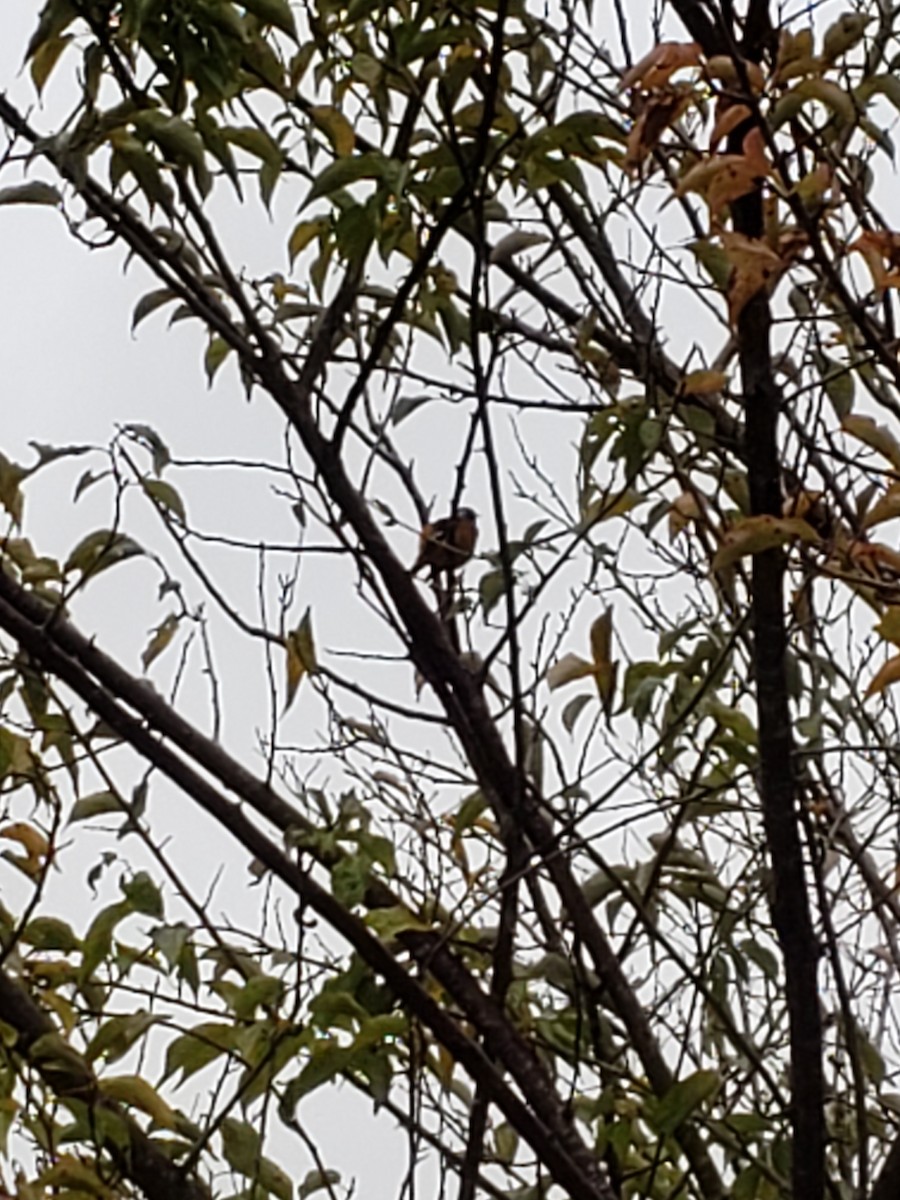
447	545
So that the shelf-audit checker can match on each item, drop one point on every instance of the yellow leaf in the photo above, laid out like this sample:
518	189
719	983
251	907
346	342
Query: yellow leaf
753	535
30	838
336	128
724	68
301	656
884	509
608	505
878	437
137	1092
304	233
822	90
843	35
889	626
702	383
888	674
567	669
795	55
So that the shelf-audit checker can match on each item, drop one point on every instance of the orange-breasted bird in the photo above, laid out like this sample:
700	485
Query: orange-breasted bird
448	544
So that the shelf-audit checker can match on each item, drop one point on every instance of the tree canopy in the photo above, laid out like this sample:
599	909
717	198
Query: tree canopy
574	859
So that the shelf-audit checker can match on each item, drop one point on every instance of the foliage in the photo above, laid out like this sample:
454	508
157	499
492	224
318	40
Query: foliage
590	888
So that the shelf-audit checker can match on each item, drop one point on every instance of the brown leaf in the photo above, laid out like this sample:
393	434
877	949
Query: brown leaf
661	110
724	69
885	508
754	266
889	673
723	178
730	116
683	510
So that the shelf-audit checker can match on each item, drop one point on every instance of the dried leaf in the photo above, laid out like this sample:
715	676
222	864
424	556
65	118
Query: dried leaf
753	535
660	112
567	669
755	266
886	508
878	249
728	119
683	510
889	674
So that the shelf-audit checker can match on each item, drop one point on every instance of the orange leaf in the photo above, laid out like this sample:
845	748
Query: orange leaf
655	69
730	117
881	250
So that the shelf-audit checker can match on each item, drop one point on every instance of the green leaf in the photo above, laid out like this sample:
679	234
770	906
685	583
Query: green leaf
195	1050
159	640
491	587
315	1181
327	1060
216	353
149	303
137	1093
166	496
98	939
344	171
573	711
403	406
11	496
273	12
35	192
50	933
143	895
97	804
146	436
116	1036
682	1098
100	550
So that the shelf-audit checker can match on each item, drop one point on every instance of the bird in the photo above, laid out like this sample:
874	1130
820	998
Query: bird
447	544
